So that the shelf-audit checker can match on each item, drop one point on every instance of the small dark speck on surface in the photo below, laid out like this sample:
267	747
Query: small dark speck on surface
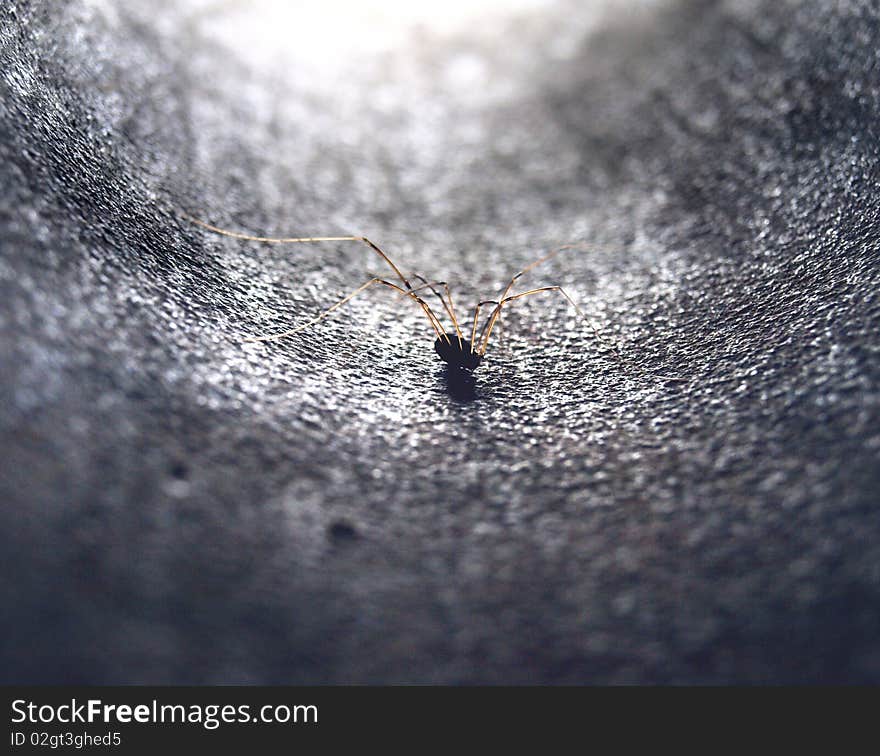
342	532
179	471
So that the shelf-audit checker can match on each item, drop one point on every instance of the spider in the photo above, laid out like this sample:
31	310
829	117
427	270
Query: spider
459	350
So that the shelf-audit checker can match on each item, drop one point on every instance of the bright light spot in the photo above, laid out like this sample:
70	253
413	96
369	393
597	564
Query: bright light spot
331	31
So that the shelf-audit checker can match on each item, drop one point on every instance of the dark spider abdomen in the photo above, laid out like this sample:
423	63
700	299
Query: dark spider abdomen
457	353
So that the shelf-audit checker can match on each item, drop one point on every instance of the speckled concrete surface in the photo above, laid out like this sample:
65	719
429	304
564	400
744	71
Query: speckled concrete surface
182	507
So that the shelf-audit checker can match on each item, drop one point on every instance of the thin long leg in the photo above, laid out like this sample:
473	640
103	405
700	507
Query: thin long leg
492	320
497	312
299	240
441	331
535	264
438	328
452	312
477	309
517	276
490	324
450	307
305	239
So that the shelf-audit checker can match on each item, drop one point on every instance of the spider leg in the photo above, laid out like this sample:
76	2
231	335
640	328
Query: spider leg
504	298
450	307
435	323
299	240
496	313
486	331
477	309
536	263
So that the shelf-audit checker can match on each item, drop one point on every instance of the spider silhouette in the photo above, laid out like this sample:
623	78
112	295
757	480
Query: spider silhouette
460	350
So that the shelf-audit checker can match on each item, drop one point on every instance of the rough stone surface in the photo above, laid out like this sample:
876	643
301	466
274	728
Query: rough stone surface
180	506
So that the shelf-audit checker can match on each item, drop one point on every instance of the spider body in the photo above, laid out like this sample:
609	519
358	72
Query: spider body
458	353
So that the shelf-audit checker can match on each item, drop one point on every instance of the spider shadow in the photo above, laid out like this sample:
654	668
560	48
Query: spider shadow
463	387
460	384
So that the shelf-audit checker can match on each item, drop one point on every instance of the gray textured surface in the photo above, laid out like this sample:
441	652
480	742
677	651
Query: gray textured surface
180	507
